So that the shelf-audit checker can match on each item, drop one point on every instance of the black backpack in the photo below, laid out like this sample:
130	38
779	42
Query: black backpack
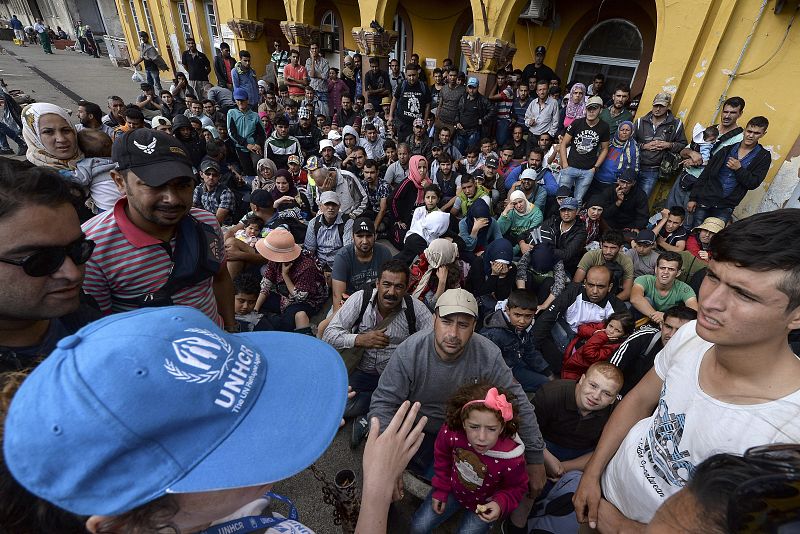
411	316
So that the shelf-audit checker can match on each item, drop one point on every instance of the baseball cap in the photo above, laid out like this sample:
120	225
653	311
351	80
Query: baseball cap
418	122
160	120
386	101
712	224
263	83
154	156
329	196
240	94
664	99
594	101
569	203
645	237
312	163
472	82
303	113
491	161
369	107
173	404
456	301
209	163
294	158
363	225
540	50
528	174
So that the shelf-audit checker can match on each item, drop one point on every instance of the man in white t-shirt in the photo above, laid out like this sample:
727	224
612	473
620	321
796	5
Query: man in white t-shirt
725	382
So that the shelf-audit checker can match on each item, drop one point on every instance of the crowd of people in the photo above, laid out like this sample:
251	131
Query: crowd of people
211	280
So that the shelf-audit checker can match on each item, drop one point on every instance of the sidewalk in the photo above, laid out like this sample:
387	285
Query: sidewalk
66	76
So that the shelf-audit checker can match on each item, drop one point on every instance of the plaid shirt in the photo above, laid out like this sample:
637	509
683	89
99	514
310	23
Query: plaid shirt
211	201
375	195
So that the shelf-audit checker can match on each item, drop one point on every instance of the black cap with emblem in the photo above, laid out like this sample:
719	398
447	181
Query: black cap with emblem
155	157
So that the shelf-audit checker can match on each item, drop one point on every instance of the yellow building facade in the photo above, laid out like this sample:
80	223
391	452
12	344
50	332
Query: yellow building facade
701	51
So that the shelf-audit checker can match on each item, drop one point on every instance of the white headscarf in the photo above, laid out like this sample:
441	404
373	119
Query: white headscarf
37	153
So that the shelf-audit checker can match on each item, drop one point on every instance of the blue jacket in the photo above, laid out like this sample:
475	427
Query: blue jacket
516	347
248	83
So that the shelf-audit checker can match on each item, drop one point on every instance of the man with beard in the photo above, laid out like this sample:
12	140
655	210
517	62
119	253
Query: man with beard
398	170
618	111
90	115
306	133
609	254
431	365
42	263
376	319
540	181
154	229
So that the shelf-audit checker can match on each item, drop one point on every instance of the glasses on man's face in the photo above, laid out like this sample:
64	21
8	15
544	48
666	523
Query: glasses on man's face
48	260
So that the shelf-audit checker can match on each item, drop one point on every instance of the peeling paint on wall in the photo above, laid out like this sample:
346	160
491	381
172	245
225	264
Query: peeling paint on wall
774	151
670	79
669	89
784	189
700	74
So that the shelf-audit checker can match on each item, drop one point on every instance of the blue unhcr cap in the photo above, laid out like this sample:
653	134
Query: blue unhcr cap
161	400
569	203
240	94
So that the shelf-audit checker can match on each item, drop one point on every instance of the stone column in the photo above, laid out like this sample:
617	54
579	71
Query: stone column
484	56
372	43
247	30
300	37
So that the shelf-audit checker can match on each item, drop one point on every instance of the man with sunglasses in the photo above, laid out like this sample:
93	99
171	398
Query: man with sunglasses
147	246
724	383
42	257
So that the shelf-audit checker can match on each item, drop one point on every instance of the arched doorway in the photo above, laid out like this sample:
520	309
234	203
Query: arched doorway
330	37
402	26
613	48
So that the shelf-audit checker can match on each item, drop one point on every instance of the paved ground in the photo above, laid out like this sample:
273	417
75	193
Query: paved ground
63	79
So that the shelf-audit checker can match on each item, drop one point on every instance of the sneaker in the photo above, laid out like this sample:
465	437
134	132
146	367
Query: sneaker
360	431
6	151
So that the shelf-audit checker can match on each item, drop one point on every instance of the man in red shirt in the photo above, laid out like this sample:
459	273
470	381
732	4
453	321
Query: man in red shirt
296	77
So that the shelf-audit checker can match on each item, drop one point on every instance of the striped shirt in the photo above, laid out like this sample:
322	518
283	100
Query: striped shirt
324	240
127	263
341	336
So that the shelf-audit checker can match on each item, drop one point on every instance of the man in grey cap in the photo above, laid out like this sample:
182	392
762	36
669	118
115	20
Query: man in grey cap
329	231
431	365
657	133
147	250
212	196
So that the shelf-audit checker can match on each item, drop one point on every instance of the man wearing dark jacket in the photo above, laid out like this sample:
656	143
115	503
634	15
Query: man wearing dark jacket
188	136
474	111
224	64
626	204
197	67
578	303
657	133
306	132
730	174
569	235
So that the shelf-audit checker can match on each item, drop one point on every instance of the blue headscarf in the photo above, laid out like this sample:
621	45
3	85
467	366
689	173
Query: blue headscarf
629	153
479	210
499	249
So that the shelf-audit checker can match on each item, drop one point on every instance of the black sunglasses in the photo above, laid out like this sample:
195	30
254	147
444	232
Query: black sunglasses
46	261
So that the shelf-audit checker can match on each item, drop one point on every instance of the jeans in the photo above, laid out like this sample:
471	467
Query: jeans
565	453
704	212
647	179
363	384
5	131
425	519
562	335
679	197
466	138
154	79
579	179
528	379
502	132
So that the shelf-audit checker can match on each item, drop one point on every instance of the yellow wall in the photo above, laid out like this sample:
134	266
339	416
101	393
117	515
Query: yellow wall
432	28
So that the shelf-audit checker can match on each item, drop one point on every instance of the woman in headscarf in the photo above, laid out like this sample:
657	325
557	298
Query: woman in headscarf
497	276
576	105
478	228
265	179
622	154
409	195
435	271
51	138
518	218
287	200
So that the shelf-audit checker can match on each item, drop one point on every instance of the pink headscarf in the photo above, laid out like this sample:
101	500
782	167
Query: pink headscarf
414	176
576	111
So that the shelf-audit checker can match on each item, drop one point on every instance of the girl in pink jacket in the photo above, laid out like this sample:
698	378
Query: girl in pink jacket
478	462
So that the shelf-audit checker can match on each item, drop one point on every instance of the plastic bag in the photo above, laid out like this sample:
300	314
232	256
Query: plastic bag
138	77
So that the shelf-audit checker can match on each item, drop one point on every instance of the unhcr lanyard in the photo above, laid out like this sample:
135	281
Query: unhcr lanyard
243	525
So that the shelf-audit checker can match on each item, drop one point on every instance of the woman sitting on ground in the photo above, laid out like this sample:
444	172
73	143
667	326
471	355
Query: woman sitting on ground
287	200
435	271
518	218
265	177
293	286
